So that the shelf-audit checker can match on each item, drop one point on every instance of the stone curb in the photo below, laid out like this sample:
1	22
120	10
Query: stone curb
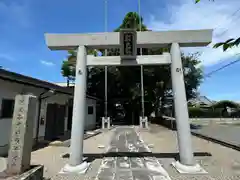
34	173
217	141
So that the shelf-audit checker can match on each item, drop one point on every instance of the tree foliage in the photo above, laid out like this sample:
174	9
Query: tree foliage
228	44
225	103
124	82
197	1
217	110
68	68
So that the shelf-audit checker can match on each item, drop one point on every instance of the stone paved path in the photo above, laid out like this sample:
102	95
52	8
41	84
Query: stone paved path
129	159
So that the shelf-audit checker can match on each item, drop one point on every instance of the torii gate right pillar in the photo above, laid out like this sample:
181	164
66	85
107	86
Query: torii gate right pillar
181	108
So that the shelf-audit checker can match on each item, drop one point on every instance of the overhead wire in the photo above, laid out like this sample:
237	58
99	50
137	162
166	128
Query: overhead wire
232	15
222	67
220	24
226	30
233	62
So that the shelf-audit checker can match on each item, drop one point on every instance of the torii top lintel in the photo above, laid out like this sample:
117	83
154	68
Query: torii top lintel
147	39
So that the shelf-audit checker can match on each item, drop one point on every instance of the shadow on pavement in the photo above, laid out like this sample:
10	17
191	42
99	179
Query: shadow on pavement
40	145
91	157
63	141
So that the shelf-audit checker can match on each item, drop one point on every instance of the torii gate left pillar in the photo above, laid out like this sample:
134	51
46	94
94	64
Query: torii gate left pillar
187	38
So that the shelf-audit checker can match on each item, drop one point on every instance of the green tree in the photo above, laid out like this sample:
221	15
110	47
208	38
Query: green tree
226	103
68	65
228	43
68	68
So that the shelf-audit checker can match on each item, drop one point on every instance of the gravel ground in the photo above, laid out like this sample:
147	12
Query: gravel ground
223	164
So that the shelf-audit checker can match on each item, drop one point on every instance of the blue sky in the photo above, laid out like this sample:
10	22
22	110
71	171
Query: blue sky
24	22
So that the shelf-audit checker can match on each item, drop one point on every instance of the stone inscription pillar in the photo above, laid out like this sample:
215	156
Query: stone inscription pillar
19	154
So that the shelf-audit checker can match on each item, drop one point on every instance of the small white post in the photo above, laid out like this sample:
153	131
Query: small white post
106	120
143	122
108	125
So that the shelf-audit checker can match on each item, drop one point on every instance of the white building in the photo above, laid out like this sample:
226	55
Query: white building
52	120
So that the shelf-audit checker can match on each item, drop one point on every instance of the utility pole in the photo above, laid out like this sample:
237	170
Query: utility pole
106	69
142	87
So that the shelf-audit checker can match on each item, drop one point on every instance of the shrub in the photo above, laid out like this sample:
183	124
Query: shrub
225	103
197	112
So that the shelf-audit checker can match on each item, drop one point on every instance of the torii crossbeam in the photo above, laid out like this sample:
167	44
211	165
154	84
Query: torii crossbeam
147	39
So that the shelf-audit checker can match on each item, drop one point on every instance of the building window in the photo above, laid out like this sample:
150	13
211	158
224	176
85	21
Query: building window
7	108
90	109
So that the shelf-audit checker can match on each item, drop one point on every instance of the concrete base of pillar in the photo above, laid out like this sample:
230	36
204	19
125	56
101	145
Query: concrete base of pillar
79	169
106	122
143	122
183	169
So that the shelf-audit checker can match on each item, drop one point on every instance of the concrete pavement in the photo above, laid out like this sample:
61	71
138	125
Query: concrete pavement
228	133
127	156
220	162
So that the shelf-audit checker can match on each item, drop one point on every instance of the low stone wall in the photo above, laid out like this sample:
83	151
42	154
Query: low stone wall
35	173
170	122
214	119
211	121
165	121
222	120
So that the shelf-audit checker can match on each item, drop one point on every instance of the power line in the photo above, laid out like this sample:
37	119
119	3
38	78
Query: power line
223	67
226	30
219	25
233	62
232	15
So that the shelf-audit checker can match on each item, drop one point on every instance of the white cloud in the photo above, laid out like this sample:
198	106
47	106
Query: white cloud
47	63
205	15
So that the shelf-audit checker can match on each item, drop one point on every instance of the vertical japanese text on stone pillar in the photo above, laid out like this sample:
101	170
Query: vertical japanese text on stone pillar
16	136
21	136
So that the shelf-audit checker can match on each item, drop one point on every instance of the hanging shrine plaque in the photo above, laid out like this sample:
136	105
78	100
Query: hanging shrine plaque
128	40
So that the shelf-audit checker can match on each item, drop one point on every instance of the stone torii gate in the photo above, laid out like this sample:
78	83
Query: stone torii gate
174	39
